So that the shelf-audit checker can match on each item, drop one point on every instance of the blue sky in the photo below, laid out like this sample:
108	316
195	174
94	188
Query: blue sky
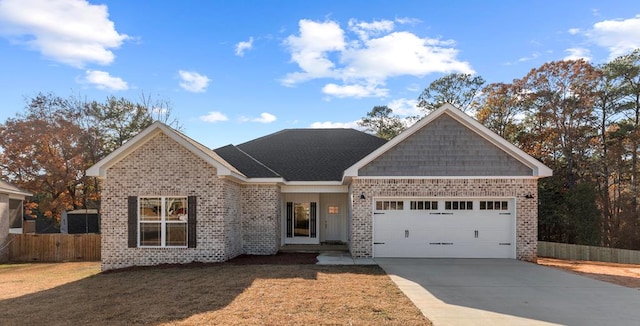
237	70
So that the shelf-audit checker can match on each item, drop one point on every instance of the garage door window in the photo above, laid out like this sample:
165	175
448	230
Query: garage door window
458	205
423	205
389	205
494	205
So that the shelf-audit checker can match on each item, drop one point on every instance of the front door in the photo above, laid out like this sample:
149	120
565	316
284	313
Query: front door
333	223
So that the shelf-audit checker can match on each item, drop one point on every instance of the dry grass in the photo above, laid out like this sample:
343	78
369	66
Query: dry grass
76	293
622	274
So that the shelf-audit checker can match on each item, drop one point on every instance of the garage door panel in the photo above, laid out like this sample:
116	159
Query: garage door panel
460	233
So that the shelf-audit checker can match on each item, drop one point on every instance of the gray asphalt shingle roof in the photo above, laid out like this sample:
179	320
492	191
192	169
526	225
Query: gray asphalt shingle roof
301	154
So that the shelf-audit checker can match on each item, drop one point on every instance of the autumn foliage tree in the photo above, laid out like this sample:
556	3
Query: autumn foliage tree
48	148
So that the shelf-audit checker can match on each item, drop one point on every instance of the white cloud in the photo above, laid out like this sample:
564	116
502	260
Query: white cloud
73	32
103	80
265	118
357	91
321	50
578	53
329	124
618	36
241	47
405	107
193	82
366	30
310	50
213	116
574	31
407	20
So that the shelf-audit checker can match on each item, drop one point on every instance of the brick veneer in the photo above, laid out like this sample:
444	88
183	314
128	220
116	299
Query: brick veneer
162	167
261	219
361	244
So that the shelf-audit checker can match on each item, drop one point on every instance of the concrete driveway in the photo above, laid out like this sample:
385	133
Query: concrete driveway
509	292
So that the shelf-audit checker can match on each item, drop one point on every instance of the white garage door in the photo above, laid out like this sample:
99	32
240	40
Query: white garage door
450	227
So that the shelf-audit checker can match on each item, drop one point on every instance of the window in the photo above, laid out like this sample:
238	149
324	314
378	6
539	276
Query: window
494	205
333	210
301	220
423	205
389	205
458	205
162	222
15	213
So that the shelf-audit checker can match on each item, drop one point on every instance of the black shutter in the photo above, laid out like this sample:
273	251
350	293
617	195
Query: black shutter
289	219
312	221
191	221
132	223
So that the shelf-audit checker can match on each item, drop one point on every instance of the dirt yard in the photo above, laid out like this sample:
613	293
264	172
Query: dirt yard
236	293
622	274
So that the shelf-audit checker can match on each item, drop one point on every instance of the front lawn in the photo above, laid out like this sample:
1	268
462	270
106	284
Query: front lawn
76	294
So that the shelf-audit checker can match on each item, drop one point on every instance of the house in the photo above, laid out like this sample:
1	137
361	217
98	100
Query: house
11	219
446	187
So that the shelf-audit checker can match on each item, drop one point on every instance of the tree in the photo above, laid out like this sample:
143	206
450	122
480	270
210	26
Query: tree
43	152
457	89
382	122
499	107
47	149
559	97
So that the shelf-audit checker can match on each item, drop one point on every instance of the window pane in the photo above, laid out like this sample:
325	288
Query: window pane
150	209
301	218
150	234
176	234
176	208
483	205
334	210
392	205
379	205
447	205
400	205
469	205
434	205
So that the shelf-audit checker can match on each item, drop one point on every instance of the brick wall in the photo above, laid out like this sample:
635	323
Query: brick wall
162	167
526	209
261	219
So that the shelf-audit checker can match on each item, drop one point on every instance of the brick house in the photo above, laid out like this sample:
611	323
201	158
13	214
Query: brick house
446	187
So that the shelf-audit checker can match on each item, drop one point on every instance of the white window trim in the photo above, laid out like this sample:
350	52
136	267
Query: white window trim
163	222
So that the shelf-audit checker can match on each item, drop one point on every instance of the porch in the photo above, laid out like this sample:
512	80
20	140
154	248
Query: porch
315	248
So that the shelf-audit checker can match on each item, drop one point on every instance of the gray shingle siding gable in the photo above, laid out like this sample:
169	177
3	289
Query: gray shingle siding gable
445	147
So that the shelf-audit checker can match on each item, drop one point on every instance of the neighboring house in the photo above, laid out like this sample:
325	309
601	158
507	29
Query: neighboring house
446	187
11	219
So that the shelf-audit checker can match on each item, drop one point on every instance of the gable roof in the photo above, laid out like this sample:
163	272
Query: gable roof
224	168
7	188
303	154
538	169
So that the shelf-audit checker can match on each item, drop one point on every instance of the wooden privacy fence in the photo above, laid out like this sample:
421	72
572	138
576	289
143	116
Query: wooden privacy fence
580	252
54	247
